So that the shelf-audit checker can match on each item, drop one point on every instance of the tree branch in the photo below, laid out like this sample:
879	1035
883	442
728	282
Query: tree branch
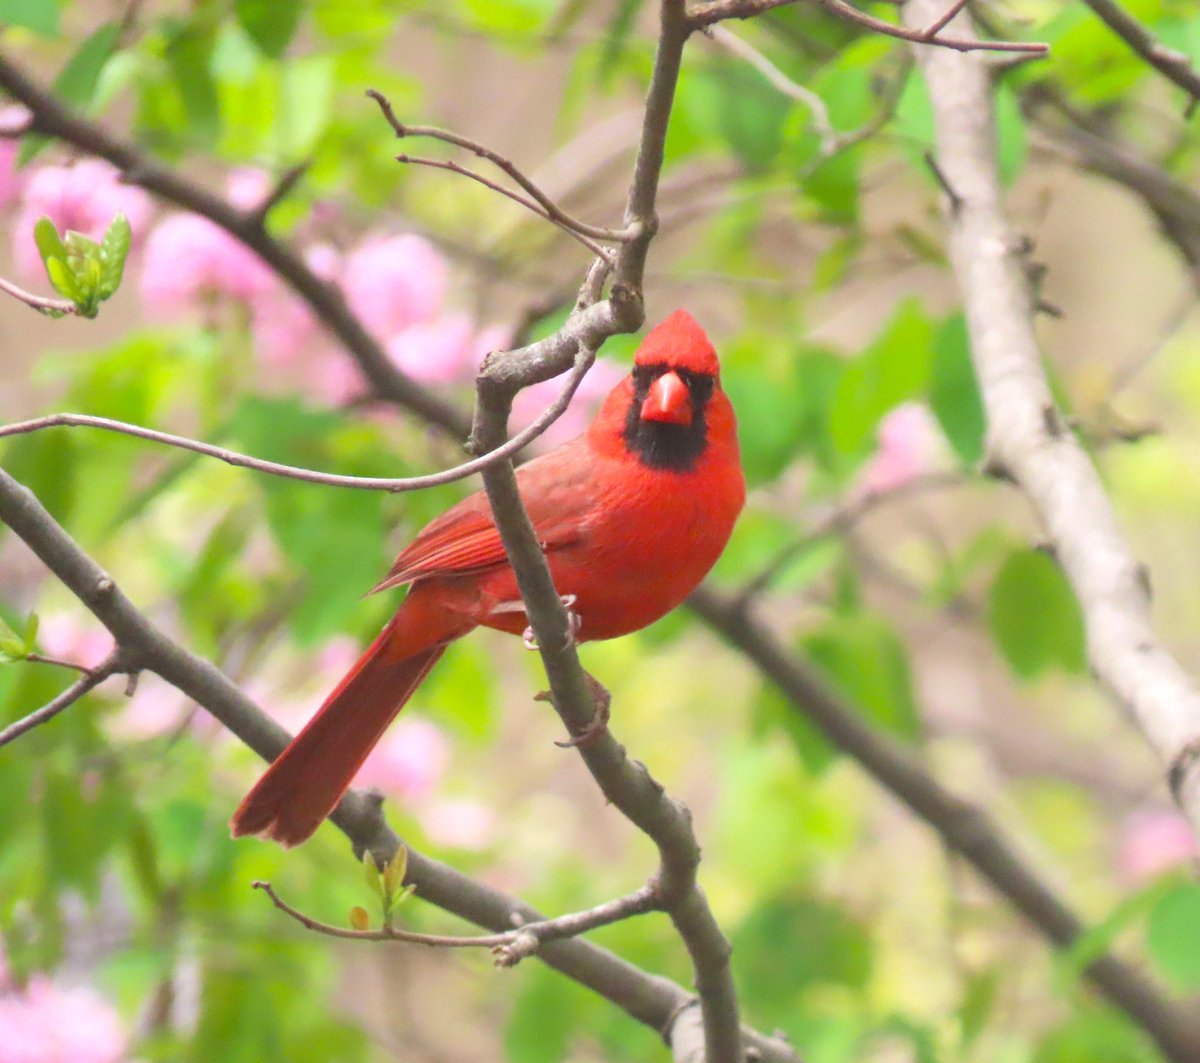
52	118
650	999
115	662
549	209
1028	440
509	948
293	472
1173	65
705	14
964	828
41	303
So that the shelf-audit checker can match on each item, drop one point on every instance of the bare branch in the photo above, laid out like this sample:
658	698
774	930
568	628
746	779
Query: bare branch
1028	439
41	303
115	662
735	45
509	948
282	189
965	828
649	999
705	14
528	204
38	658
293	472
552	210
1173	65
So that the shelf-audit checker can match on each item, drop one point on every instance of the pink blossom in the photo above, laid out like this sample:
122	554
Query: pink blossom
459	823
190	262
909	446
393	283
47	1023
595	386
12	181
248	187
285	329
438	352
409	760
1153	841
62	635
85	197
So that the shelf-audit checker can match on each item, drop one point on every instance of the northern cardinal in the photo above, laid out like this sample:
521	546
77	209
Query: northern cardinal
631	515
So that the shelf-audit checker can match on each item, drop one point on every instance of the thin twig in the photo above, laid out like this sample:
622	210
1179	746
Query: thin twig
743	49
528	204
41	303
281	190
293	472
1176	66
553	211
841	519
39	658
705	14
508	948
110	666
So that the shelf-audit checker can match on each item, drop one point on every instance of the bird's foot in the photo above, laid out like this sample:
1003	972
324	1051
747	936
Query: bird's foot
574	623
598	725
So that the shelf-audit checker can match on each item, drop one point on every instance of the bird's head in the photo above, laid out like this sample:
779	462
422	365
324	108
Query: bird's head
669	409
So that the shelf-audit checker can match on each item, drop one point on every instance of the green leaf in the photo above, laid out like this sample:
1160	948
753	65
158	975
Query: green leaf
1034	616
41	16
49	243
114	250
894	368
189	55
77	81
12	645
1173	934
372	874
954	391
271	24
864	658
64	280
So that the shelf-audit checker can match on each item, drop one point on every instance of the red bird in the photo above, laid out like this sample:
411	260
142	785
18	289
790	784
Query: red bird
631	516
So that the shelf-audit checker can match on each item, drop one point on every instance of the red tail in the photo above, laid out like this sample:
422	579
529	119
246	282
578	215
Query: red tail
307	779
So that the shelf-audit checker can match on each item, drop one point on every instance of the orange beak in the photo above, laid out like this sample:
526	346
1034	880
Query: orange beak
668	401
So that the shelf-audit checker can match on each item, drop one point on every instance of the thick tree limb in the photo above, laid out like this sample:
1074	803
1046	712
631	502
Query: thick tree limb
964	827
1173	65
648	998
1028	439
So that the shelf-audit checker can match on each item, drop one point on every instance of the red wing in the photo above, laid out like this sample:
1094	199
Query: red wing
464	540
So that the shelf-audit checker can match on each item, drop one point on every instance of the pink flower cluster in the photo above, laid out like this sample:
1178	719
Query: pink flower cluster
909	446
49	1023
1152	842
84	196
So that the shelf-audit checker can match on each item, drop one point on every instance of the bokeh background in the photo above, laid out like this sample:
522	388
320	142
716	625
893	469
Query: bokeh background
128	924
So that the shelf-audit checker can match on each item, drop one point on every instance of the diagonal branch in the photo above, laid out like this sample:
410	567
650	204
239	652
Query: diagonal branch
649	999
965	828
116	662
1175	66
1029	441
549	208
